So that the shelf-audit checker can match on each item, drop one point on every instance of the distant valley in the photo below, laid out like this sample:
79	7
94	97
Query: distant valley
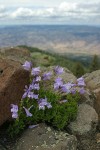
57	38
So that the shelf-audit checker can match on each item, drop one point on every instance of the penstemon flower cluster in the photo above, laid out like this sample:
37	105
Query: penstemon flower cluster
38	78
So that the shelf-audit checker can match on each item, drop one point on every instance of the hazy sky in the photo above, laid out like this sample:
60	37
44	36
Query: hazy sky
50	12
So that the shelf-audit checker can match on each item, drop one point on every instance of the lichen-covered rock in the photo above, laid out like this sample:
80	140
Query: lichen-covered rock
13	79
86	121
93	79
93	83
88	98
46	138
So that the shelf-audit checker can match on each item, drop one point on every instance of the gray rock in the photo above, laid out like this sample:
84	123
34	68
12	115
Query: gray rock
45	138
88	98
2	147
86	121
93	83
93	80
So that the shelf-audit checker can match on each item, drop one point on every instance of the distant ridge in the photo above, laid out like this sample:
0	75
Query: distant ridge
58	38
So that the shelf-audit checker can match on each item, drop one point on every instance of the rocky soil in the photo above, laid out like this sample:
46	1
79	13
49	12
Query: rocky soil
44	137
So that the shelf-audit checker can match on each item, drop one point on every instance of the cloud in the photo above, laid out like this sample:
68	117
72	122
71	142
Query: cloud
22	12
65	6
66	11
3	12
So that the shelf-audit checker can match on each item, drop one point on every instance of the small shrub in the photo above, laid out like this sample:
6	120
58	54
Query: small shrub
46	100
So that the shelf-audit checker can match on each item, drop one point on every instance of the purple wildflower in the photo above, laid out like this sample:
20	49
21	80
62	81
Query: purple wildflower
81	81
28	114
35	71
27	90
58	83
35	96
47	76
24	95
82	91
32	95
66	88
58	79
49	105
41	106
73	84
73	91
27	65
58	70
15	115
43	102
56	86
31	87
14	111
38	78
36	86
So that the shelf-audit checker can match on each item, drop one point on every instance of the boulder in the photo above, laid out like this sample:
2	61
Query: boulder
93	83
2	147
88	98
13	79
15	53
46	138
93	80
86	121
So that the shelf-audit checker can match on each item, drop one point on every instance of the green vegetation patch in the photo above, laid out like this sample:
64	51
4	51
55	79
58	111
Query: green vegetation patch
56	105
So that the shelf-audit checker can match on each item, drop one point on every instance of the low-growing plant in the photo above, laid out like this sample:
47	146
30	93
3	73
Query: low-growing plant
47	99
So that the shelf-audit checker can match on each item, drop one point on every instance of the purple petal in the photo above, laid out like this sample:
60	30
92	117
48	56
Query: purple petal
73	91
58	79
49	105
33	126
38	78
27	112
14	111
35	71
14	108
56	86
47	76
58	70
42	103
35	96
27	65
30	95
59	82
15	115
24	95
80	81
36	86
82	91
66	88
